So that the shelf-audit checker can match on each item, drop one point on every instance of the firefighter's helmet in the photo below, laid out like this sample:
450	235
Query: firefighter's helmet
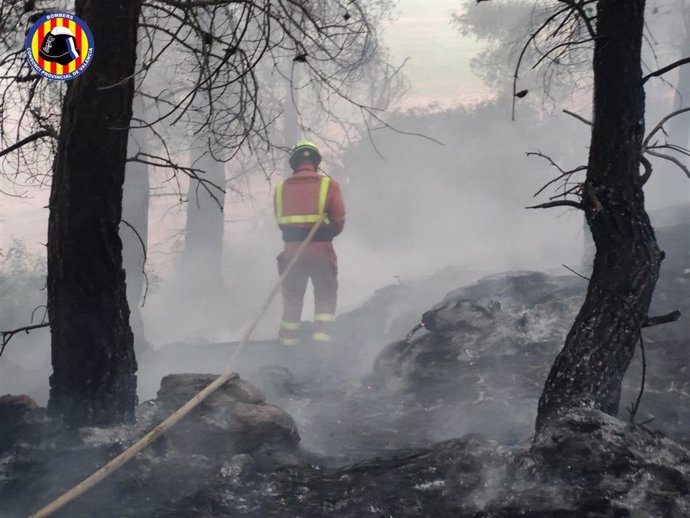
304	151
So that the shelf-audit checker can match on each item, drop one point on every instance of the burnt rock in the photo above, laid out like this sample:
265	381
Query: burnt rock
234	430
481	366
596	463
235	419
490	345
20	419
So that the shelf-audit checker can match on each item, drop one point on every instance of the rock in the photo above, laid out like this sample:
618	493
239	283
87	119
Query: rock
596	463
17	413
234	432
177	389
490	345
481	366
9	402
393	310
235	419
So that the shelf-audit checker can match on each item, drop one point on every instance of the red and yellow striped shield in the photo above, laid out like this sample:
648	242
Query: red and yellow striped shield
59	46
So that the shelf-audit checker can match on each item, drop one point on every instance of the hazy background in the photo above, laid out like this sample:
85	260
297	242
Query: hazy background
453	197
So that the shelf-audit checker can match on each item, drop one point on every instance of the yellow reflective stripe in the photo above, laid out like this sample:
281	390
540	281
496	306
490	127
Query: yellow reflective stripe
323	193
279	201
311	218
324	317
290	326
289	341
321	337
302	218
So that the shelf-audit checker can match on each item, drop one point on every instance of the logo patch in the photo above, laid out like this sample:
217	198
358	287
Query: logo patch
59	46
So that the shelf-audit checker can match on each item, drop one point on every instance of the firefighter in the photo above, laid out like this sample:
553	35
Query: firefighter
299	203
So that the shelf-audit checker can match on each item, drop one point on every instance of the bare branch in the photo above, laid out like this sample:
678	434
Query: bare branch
670	158
673	316
660	126
523	51
665	69
6	336
564	173
27	140
143	263
559	203
579	7
578	117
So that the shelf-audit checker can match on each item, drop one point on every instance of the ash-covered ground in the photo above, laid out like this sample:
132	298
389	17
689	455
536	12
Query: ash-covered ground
439	426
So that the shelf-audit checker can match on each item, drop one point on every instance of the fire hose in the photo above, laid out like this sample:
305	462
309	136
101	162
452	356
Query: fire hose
127	455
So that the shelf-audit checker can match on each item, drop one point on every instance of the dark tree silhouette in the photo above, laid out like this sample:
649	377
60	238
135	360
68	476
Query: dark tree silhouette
94	366
589	370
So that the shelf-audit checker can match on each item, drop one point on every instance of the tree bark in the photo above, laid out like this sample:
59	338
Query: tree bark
589	370
94	367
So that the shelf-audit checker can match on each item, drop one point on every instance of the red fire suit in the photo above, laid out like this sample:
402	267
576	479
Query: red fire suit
299	202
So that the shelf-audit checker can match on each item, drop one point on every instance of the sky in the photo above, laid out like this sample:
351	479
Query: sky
439	56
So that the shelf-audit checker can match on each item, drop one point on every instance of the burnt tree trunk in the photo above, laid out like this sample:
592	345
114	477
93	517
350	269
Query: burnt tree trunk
94	367
589	370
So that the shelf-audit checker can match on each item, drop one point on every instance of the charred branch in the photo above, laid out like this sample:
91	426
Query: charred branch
143	263
578	117
673	316
559	203
671	159
564	175
665	69
660	126
579	7
28	140
6	336
558	39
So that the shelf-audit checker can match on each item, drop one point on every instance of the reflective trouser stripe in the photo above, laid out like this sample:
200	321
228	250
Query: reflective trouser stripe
288	332
321	337
324	317
289	326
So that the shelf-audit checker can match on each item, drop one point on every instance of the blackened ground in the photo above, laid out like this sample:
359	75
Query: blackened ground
585	465
386	445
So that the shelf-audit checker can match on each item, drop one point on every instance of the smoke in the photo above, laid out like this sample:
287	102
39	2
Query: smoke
441	190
